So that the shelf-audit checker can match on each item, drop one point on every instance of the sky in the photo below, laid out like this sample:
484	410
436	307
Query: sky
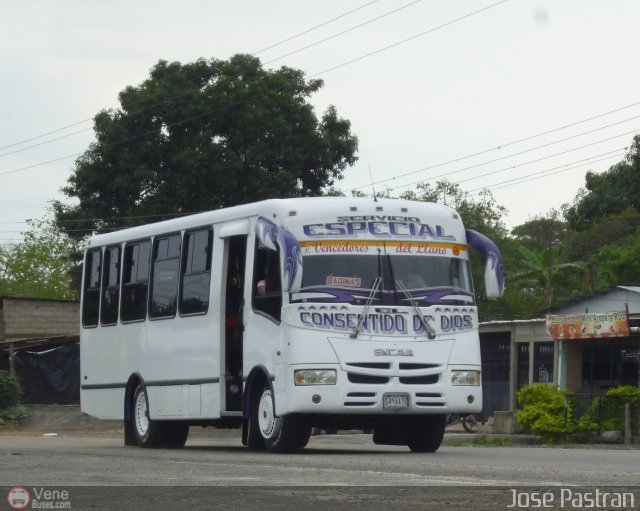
519	97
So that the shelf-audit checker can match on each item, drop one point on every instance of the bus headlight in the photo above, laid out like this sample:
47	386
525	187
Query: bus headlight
315	377
465	378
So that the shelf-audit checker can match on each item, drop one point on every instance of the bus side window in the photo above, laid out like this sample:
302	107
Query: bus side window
266	267
91	291
166	271
196	272
110	286
135	282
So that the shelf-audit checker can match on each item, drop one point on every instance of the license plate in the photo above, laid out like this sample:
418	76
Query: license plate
395	401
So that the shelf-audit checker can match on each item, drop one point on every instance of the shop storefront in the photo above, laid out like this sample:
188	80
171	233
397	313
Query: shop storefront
587	347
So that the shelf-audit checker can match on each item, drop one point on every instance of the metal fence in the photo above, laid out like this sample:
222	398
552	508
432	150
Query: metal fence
602	413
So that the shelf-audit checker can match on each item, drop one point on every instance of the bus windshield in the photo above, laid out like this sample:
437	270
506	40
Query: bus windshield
424	280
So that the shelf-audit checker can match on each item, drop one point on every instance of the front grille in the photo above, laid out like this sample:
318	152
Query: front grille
420	380
429	399
367	378
364	399
409	366
370	365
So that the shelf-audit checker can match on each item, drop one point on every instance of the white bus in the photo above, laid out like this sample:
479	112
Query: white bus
283	315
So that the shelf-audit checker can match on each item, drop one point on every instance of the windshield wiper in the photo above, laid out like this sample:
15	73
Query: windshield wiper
431	333
367	306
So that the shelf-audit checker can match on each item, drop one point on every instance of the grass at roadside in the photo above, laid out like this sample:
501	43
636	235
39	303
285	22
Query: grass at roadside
483	441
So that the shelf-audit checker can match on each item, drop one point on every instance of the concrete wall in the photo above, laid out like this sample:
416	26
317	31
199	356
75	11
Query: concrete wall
22	318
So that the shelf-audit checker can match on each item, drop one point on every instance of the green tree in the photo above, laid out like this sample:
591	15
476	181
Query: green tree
542	231
202	136
42	265
619	264
483	214
608	192
545	270
612	230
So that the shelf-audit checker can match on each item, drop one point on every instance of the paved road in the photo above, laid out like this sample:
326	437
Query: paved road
217	463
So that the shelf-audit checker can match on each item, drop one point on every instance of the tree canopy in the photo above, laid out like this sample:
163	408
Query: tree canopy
42	265
608	192
205	135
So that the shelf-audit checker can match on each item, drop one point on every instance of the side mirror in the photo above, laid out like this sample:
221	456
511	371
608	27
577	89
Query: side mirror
494	274
273	237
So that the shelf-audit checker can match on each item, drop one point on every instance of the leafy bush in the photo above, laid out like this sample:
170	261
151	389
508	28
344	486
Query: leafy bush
10	390
626	394
14	415
544	410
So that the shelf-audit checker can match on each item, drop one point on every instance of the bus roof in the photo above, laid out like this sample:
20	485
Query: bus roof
281	211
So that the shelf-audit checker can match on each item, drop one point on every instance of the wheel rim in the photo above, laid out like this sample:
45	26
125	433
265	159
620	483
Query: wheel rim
266	417
141	415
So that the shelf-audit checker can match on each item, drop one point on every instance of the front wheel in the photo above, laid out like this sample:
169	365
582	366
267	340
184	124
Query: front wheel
279	434
425	432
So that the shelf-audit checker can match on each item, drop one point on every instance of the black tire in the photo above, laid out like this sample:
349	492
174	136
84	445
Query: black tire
470	423
147	432
254	438
425	432
175	434
278	434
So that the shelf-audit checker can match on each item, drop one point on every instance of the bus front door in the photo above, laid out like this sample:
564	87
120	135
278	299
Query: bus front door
236	251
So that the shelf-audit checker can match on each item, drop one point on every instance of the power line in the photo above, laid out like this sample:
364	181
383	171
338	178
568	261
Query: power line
157	104
533	177
421	34
44	134
446	174
45	142
528	177
548	172
40	164
313	28
342	33
485	151
177	123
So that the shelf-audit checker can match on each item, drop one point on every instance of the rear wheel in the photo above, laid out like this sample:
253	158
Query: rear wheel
148	433
425	432
279	434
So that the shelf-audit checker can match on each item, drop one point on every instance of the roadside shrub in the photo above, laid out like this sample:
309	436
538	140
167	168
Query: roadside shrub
14	415
626	394
544	410
10	390
11	411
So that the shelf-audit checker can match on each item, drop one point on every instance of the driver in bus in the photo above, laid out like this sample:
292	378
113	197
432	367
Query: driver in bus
261	287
